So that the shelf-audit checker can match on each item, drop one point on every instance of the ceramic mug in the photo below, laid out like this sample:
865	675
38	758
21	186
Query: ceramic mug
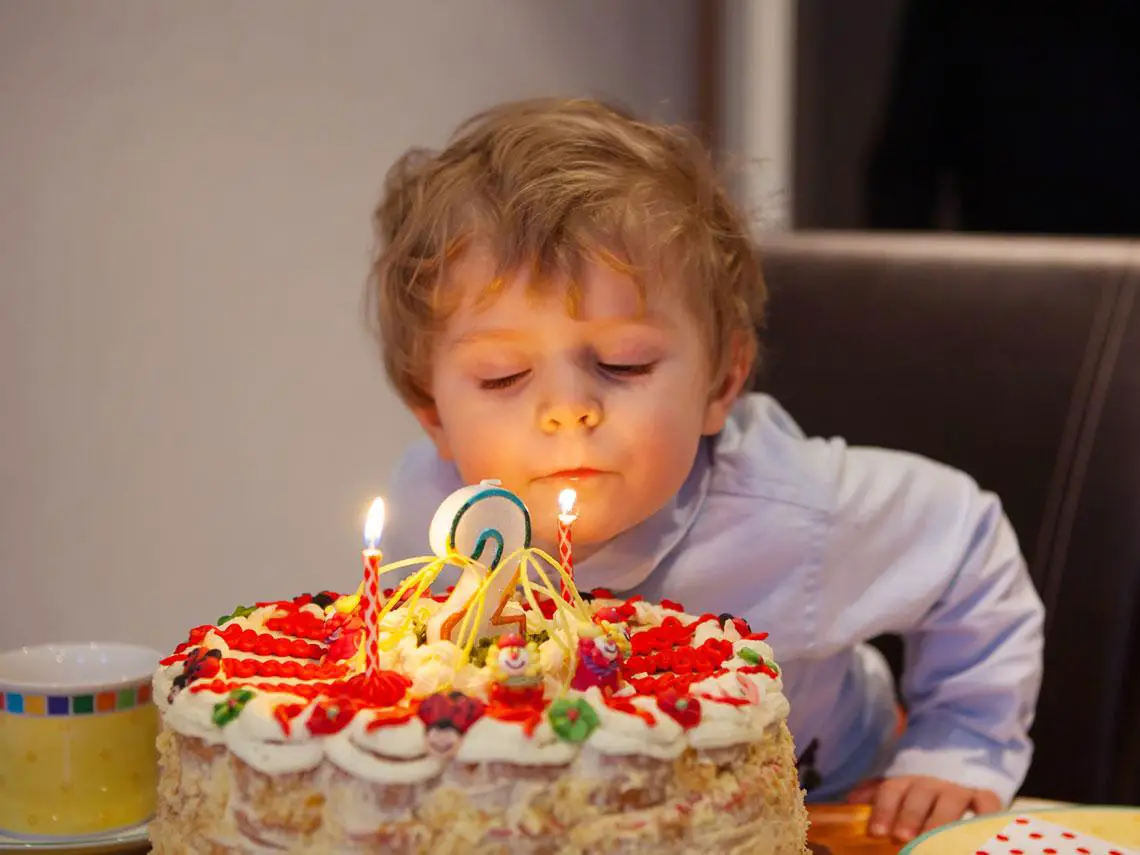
77	738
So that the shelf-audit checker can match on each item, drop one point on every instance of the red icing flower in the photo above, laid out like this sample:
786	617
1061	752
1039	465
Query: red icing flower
636	665
672	605
385	689
331	715
344	634
641	642
683	709
683	660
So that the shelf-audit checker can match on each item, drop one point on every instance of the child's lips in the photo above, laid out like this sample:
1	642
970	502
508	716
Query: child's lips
576	474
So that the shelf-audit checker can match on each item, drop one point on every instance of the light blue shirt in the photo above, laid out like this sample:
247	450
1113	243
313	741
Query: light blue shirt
825	546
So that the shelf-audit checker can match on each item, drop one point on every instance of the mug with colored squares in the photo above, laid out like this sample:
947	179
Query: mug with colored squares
77	739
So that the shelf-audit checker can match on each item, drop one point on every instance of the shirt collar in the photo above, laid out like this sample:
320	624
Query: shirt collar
627	560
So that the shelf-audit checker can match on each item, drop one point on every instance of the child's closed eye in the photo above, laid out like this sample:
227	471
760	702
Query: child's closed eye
634	370
504	382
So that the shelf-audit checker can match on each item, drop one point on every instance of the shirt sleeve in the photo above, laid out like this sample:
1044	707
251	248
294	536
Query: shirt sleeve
918	549
419	484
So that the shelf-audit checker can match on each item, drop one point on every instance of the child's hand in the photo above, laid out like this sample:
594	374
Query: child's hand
906	807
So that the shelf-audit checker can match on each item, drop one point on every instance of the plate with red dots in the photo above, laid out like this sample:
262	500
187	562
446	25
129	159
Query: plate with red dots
1061	831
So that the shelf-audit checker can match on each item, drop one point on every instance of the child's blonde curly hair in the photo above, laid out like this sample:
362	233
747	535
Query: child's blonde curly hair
545	186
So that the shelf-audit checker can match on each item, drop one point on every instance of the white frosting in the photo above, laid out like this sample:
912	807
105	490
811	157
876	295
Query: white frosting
554	664
257	737
274	758
708	629
490	740
648	614
191	717
624	733
471	681
724	724
405	741
399	753
390	754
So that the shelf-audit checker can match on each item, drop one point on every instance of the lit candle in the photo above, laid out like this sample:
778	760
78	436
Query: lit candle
566	500
488	524
370	591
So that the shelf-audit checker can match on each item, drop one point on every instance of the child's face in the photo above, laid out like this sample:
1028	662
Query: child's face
612	403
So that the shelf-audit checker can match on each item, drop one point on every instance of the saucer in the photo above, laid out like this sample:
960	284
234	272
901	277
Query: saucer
120	840
1115	824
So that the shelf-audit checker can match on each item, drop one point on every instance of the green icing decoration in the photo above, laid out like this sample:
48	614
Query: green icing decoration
572	720
775	668
479	651
749	655
229	709
240	611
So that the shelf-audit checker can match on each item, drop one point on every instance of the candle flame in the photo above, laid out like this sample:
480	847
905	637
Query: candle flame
566	500
374	524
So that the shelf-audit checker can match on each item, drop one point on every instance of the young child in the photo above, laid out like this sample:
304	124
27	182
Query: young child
566	295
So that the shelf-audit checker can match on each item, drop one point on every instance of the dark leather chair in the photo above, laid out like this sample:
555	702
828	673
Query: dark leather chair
1018	361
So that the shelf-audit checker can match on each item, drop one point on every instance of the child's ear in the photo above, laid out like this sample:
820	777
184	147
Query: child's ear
428	417
742	353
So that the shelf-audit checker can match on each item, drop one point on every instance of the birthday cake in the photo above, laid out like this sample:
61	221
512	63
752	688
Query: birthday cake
509	713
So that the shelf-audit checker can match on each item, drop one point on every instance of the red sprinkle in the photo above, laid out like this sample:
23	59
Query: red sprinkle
725	699
762	668
390	718
628	707
285	713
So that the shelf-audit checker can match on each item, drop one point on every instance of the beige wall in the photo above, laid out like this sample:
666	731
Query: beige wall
192	414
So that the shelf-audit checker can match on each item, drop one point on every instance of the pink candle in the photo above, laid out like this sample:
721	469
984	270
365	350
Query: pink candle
370	591
566	500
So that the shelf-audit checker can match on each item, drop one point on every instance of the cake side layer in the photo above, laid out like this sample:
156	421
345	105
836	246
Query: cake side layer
734	800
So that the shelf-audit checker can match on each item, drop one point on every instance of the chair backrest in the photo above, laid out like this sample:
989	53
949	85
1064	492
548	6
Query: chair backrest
1016	360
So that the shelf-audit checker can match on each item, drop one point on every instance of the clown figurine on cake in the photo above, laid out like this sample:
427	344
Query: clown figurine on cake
602	647
515	672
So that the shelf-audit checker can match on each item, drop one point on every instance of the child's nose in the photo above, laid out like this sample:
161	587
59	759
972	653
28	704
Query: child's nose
570	412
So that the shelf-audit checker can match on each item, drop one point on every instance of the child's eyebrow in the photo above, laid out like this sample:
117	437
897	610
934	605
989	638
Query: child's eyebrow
651	320
479	336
